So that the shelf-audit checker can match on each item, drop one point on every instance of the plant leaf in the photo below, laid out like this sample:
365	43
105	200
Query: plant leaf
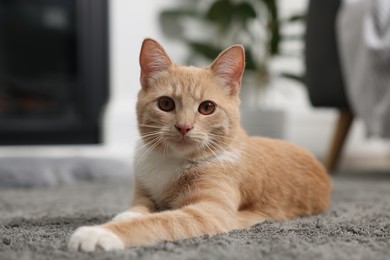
296	77
205	49
249	60
273	26
220	12
170	23
243	12
295	18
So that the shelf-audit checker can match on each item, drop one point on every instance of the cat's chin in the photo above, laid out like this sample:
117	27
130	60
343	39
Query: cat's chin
183	145
181	148
182	142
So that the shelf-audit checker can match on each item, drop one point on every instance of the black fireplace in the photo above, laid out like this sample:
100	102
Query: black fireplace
53	71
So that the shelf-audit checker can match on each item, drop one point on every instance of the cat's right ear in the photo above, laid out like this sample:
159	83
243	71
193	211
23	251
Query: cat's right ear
153	59
229	66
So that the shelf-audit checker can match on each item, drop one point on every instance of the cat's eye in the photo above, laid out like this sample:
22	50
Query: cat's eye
206	108
166	104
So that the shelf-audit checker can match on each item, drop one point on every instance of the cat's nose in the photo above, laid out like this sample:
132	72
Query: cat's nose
183	128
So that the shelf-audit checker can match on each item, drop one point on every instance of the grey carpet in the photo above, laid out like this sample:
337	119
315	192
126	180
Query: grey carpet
36	223
51	172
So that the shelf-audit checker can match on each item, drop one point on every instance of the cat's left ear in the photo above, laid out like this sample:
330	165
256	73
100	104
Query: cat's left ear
229	66
153	59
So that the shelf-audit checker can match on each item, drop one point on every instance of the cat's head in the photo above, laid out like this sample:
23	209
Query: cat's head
189	112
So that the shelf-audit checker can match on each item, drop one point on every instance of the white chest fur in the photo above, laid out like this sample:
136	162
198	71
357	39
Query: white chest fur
156	171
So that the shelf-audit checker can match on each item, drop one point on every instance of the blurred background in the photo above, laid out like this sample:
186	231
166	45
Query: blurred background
69	74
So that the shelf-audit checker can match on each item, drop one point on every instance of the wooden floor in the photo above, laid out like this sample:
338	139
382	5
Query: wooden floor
365	164
340	135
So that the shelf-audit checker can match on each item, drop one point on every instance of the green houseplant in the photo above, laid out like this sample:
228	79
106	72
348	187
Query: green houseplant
207	27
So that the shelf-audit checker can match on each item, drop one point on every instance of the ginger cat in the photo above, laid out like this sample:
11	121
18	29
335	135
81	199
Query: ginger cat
198	172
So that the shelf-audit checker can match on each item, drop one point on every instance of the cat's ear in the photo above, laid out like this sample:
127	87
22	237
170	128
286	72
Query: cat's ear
229	66
153	59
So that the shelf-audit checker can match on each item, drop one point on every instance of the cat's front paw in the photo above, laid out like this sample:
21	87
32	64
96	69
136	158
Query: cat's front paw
89	239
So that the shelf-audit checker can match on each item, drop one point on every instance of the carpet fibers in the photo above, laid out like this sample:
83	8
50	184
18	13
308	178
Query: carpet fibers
36	224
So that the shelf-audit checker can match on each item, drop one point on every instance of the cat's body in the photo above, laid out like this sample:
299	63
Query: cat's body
278	180
197	172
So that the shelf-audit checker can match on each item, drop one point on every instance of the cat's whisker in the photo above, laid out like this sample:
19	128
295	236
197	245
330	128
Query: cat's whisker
141	146
209	147
149	150
222	143
145	145
232	139
148	141
151	137
165	147
222	140
151	126
215	155
154	133
145	153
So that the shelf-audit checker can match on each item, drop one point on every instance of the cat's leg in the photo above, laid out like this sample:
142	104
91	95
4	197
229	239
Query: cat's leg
205	214
248	218
92	238
141	205
131	213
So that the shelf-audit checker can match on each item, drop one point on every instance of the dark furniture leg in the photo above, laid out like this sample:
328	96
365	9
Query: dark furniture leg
344	123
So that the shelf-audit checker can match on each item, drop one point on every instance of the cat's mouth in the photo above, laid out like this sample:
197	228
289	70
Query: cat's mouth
183	141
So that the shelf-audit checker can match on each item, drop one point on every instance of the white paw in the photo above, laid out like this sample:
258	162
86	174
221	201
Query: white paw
127	215
88	239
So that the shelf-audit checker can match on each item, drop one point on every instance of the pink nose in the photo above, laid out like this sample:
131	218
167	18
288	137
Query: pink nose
183	129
